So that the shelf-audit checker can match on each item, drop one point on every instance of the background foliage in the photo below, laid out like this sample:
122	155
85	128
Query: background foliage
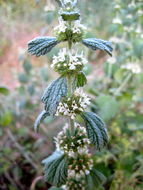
118	91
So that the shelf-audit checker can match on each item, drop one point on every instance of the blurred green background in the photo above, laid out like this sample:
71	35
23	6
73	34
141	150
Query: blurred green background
115	85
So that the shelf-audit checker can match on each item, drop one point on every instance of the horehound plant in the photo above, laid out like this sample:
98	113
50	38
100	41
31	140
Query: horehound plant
71	166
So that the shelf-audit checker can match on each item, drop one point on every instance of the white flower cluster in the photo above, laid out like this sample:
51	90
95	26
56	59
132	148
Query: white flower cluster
68	60
63	26
75	146
111	60
134	68
74	105
78	144
78	27
117	20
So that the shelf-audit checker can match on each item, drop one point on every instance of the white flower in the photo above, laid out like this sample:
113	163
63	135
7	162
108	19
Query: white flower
78	27
82	150
78	176
117	6
111	60
87	172
82	173
140	12
61	27
72	116
117	20
72	67
134	68
71	153
128	29
64	187
132	5
70	60
129	16
71	173
138	30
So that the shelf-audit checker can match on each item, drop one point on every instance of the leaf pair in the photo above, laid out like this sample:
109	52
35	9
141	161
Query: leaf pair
96	130
56	169
42	45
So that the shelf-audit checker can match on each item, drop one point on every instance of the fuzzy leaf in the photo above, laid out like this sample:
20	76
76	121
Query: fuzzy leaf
94	180
53	94
70	16
56	169
96	130
41	45
80	79
39	119
95	44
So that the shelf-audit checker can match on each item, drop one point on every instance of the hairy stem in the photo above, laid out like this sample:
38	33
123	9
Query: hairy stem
69	85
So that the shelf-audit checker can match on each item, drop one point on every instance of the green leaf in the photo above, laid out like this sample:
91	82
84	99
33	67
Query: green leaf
53	94
39	119
70	16
95	180
108	105
95	44
41	45
56	169
80	79
96	130
4	91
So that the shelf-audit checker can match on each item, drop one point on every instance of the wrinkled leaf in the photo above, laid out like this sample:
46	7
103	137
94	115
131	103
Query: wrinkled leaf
94	180
39	119
96	130
56	169
80	79
95	44
53	95
41	45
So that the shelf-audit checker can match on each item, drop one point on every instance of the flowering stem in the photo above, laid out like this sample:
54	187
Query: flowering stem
69	84
126	80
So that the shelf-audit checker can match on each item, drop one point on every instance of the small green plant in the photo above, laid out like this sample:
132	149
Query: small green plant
71	166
